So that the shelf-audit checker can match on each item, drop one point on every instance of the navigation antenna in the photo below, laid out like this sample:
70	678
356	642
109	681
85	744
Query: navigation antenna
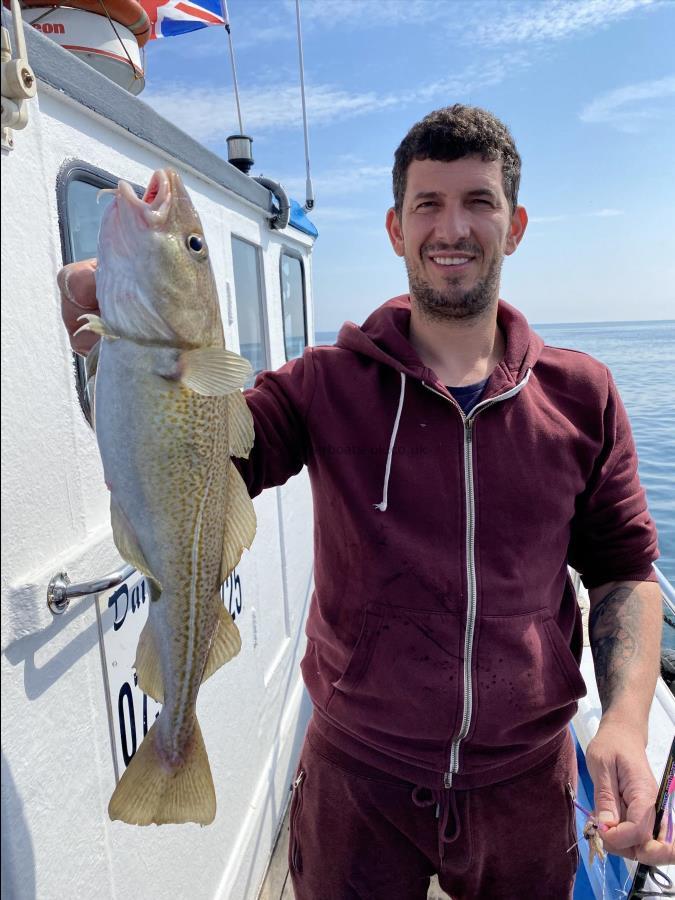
239	151
309	201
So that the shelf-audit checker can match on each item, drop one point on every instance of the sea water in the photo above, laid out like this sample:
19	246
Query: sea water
641	356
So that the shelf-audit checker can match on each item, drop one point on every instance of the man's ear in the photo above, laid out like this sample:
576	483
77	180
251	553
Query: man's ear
516	230
395	232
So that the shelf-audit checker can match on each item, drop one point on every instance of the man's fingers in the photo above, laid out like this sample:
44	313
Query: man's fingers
656	853
77	283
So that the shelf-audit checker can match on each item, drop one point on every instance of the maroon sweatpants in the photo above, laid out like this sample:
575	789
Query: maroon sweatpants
359	834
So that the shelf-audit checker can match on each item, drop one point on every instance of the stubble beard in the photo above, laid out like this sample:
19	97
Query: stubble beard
453	303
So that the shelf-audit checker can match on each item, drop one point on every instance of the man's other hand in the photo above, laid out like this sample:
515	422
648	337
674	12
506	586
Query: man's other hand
77	283
625	793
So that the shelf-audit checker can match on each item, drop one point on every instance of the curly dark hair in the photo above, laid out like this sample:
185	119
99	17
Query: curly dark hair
452	133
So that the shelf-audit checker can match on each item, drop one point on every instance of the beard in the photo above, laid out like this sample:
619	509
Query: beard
452	302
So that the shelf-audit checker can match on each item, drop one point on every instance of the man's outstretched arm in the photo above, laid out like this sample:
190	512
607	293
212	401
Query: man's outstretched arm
625	635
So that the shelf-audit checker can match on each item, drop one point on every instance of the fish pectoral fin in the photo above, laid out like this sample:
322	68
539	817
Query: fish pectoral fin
225	645
97	325
125	539
240	424
213	371
240	523
151	791
148	664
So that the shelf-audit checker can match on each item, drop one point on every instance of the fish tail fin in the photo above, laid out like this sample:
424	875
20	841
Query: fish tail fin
151	792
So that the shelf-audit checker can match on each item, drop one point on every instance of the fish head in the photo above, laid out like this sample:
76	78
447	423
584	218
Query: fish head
154	279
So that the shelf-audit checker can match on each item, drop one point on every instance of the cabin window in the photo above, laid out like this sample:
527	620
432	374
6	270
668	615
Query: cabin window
293	303
80	213
84	217
249	295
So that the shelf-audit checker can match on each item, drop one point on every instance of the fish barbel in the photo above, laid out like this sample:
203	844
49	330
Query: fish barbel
169	414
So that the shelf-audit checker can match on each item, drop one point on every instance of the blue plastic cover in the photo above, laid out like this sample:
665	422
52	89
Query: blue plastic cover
300	221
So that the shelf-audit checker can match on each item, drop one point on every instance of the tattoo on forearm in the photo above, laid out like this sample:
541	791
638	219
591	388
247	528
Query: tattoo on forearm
613	628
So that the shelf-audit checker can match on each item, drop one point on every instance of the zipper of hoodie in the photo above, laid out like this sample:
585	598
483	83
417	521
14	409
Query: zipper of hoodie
469	632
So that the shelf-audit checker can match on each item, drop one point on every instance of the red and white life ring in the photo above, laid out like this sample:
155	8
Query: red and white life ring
129	13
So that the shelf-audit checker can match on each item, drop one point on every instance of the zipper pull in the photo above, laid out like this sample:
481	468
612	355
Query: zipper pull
570	791
298	781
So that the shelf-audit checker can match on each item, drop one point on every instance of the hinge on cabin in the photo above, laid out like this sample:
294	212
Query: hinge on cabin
18	80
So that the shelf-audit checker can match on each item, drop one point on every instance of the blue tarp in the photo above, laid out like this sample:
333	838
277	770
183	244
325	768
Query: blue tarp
300	221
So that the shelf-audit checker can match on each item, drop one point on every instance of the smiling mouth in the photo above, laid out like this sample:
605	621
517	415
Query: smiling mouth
451	261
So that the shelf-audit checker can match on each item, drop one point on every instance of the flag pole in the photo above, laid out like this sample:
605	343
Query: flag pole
309	193
223	4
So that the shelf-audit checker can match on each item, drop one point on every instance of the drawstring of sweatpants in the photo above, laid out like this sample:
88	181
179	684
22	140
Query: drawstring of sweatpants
446	804
383	505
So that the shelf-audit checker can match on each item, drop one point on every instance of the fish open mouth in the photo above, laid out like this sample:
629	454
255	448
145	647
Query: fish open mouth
154	207
157	188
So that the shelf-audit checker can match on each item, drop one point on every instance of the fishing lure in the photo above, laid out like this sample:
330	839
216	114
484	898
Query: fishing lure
591	831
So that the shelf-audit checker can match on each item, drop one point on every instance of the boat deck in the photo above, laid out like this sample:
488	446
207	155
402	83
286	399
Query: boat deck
277	884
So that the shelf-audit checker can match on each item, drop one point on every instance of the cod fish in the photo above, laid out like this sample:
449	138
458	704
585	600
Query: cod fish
169	414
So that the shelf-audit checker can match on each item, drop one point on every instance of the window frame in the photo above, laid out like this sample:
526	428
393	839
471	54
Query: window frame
293	254
262	299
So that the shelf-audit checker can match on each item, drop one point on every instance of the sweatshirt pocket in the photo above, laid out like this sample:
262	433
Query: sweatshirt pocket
525	686
401	682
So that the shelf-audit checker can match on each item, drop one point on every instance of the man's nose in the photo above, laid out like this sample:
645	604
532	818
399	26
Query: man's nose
452	225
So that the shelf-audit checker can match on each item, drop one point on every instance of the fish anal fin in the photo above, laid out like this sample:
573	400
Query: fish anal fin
153	792
240	523
240	424
149	664
125	539
213	371
225	645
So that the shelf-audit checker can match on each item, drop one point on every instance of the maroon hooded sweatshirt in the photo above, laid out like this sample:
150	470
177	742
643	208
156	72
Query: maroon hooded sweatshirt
444	634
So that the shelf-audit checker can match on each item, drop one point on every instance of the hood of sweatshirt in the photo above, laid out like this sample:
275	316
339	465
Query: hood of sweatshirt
384	337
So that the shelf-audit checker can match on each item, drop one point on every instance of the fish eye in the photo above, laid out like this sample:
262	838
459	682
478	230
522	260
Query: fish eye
196	244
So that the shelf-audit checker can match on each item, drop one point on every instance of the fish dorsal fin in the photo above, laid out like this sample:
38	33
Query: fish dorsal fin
125	539
226	642
214	371
240	523
148	664
240	423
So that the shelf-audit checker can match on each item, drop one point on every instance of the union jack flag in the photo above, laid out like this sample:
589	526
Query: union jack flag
171	17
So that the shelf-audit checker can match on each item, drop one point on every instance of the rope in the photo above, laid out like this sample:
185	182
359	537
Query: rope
309	193
126	52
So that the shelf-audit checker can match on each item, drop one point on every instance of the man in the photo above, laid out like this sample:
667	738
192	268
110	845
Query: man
457	464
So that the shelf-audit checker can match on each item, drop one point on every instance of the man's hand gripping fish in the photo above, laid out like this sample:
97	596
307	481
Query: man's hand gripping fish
169	414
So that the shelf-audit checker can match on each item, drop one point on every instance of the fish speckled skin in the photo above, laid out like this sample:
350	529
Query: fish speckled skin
168	418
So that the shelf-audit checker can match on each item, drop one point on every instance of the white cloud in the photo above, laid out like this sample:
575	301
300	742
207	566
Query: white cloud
271	106
546	20
328	13
633	107
561	217
352	178
488	22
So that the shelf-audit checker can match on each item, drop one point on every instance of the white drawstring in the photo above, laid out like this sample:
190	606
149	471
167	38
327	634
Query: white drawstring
383	505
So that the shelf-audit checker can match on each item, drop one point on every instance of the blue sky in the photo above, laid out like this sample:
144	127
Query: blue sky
587	88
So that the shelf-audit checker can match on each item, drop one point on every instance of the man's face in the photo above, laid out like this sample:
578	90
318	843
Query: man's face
454	229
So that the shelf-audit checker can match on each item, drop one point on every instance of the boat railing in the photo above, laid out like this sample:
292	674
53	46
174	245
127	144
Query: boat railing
667	590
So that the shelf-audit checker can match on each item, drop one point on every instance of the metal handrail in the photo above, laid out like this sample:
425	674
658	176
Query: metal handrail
60	591
667	590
